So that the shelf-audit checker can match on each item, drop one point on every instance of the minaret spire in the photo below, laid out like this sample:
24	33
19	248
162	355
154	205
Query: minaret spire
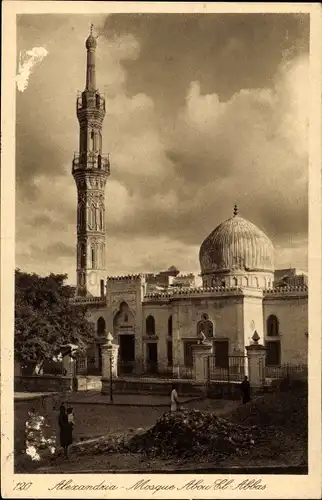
90	171
91	45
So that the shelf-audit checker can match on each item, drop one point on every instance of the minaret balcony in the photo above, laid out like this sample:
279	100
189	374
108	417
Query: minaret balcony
90	100
91	161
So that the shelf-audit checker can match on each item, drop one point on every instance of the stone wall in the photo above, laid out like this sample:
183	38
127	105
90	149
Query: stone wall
161	313
292	314
42	383
252	315
224	312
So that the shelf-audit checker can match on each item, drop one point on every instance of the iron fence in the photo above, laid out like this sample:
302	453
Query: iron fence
287	370
232	369
143	369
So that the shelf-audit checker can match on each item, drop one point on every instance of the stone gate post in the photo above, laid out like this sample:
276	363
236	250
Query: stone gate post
200	354
109	362
256	356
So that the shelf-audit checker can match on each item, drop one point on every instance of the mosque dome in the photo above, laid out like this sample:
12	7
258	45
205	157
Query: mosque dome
236	245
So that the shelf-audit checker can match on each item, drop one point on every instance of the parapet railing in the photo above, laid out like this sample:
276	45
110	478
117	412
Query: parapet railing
179	292
125	277
85	161
295	289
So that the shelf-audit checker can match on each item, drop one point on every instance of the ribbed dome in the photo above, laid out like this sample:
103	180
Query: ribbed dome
236	244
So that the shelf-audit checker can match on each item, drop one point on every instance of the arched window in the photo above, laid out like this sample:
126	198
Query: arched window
209	329
205	326
169	353
272	326
82	256
92	135
102	288
170	326
101	326
235	281
200	327
150	325
93	258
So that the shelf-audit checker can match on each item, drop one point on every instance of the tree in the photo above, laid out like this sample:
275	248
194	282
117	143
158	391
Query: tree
46	319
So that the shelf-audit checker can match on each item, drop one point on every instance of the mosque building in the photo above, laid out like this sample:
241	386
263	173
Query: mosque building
157	318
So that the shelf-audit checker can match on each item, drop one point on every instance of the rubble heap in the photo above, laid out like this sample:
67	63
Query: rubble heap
188	433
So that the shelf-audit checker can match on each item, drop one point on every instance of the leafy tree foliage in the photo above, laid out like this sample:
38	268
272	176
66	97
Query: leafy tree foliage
46	319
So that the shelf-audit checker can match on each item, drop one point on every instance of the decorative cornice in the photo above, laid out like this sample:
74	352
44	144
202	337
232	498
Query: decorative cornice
189	292
129	277
286	291
101	301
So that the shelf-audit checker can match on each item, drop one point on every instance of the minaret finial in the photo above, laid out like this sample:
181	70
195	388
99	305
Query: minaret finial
91	29
235	210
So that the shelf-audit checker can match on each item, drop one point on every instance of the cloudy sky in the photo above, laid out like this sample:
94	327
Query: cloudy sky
203	111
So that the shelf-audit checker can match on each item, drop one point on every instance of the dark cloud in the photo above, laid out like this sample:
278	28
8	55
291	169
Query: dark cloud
202	112
224	52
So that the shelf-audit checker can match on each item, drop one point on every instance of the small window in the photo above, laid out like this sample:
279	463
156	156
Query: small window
101	326
272	326
170	326
150	325
169	353
93	258
83	256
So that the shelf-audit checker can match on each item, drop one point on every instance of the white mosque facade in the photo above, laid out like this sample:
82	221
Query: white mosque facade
156	318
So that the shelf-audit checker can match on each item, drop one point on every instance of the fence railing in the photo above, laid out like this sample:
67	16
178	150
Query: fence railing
144	369
295	371
233	369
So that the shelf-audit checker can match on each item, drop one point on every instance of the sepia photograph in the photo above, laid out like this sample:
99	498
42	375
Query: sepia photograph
161	276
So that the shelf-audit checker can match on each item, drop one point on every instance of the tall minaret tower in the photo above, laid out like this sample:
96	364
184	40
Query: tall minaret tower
90	171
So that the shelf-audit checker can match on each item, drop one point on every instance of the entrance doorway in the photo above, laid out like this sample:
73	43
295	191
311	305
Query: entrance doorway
127	353
152	357
221	349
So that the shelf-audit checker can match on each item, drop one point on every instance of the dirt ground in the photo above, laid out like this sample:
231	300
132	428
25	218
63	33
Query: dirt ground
94	420
98	420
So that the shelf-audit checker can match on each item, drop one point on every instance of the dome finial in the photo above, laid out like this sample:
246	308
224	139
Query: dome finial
235	210
91	29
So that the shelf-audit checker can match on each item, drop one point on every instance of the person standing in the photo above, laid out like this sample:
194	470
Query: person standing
71	417
245	389
66	430
174	399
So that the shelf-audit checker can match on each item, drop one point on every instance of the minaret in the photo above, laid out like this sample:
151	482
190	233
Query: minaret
90	171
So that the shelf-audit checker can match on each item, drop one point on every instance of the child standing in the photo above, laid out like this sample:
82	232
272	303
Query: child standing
71	416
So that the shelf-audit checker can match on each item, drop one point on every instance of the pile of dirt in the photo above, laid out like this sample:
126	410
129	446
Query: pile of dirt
186	433
257	431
